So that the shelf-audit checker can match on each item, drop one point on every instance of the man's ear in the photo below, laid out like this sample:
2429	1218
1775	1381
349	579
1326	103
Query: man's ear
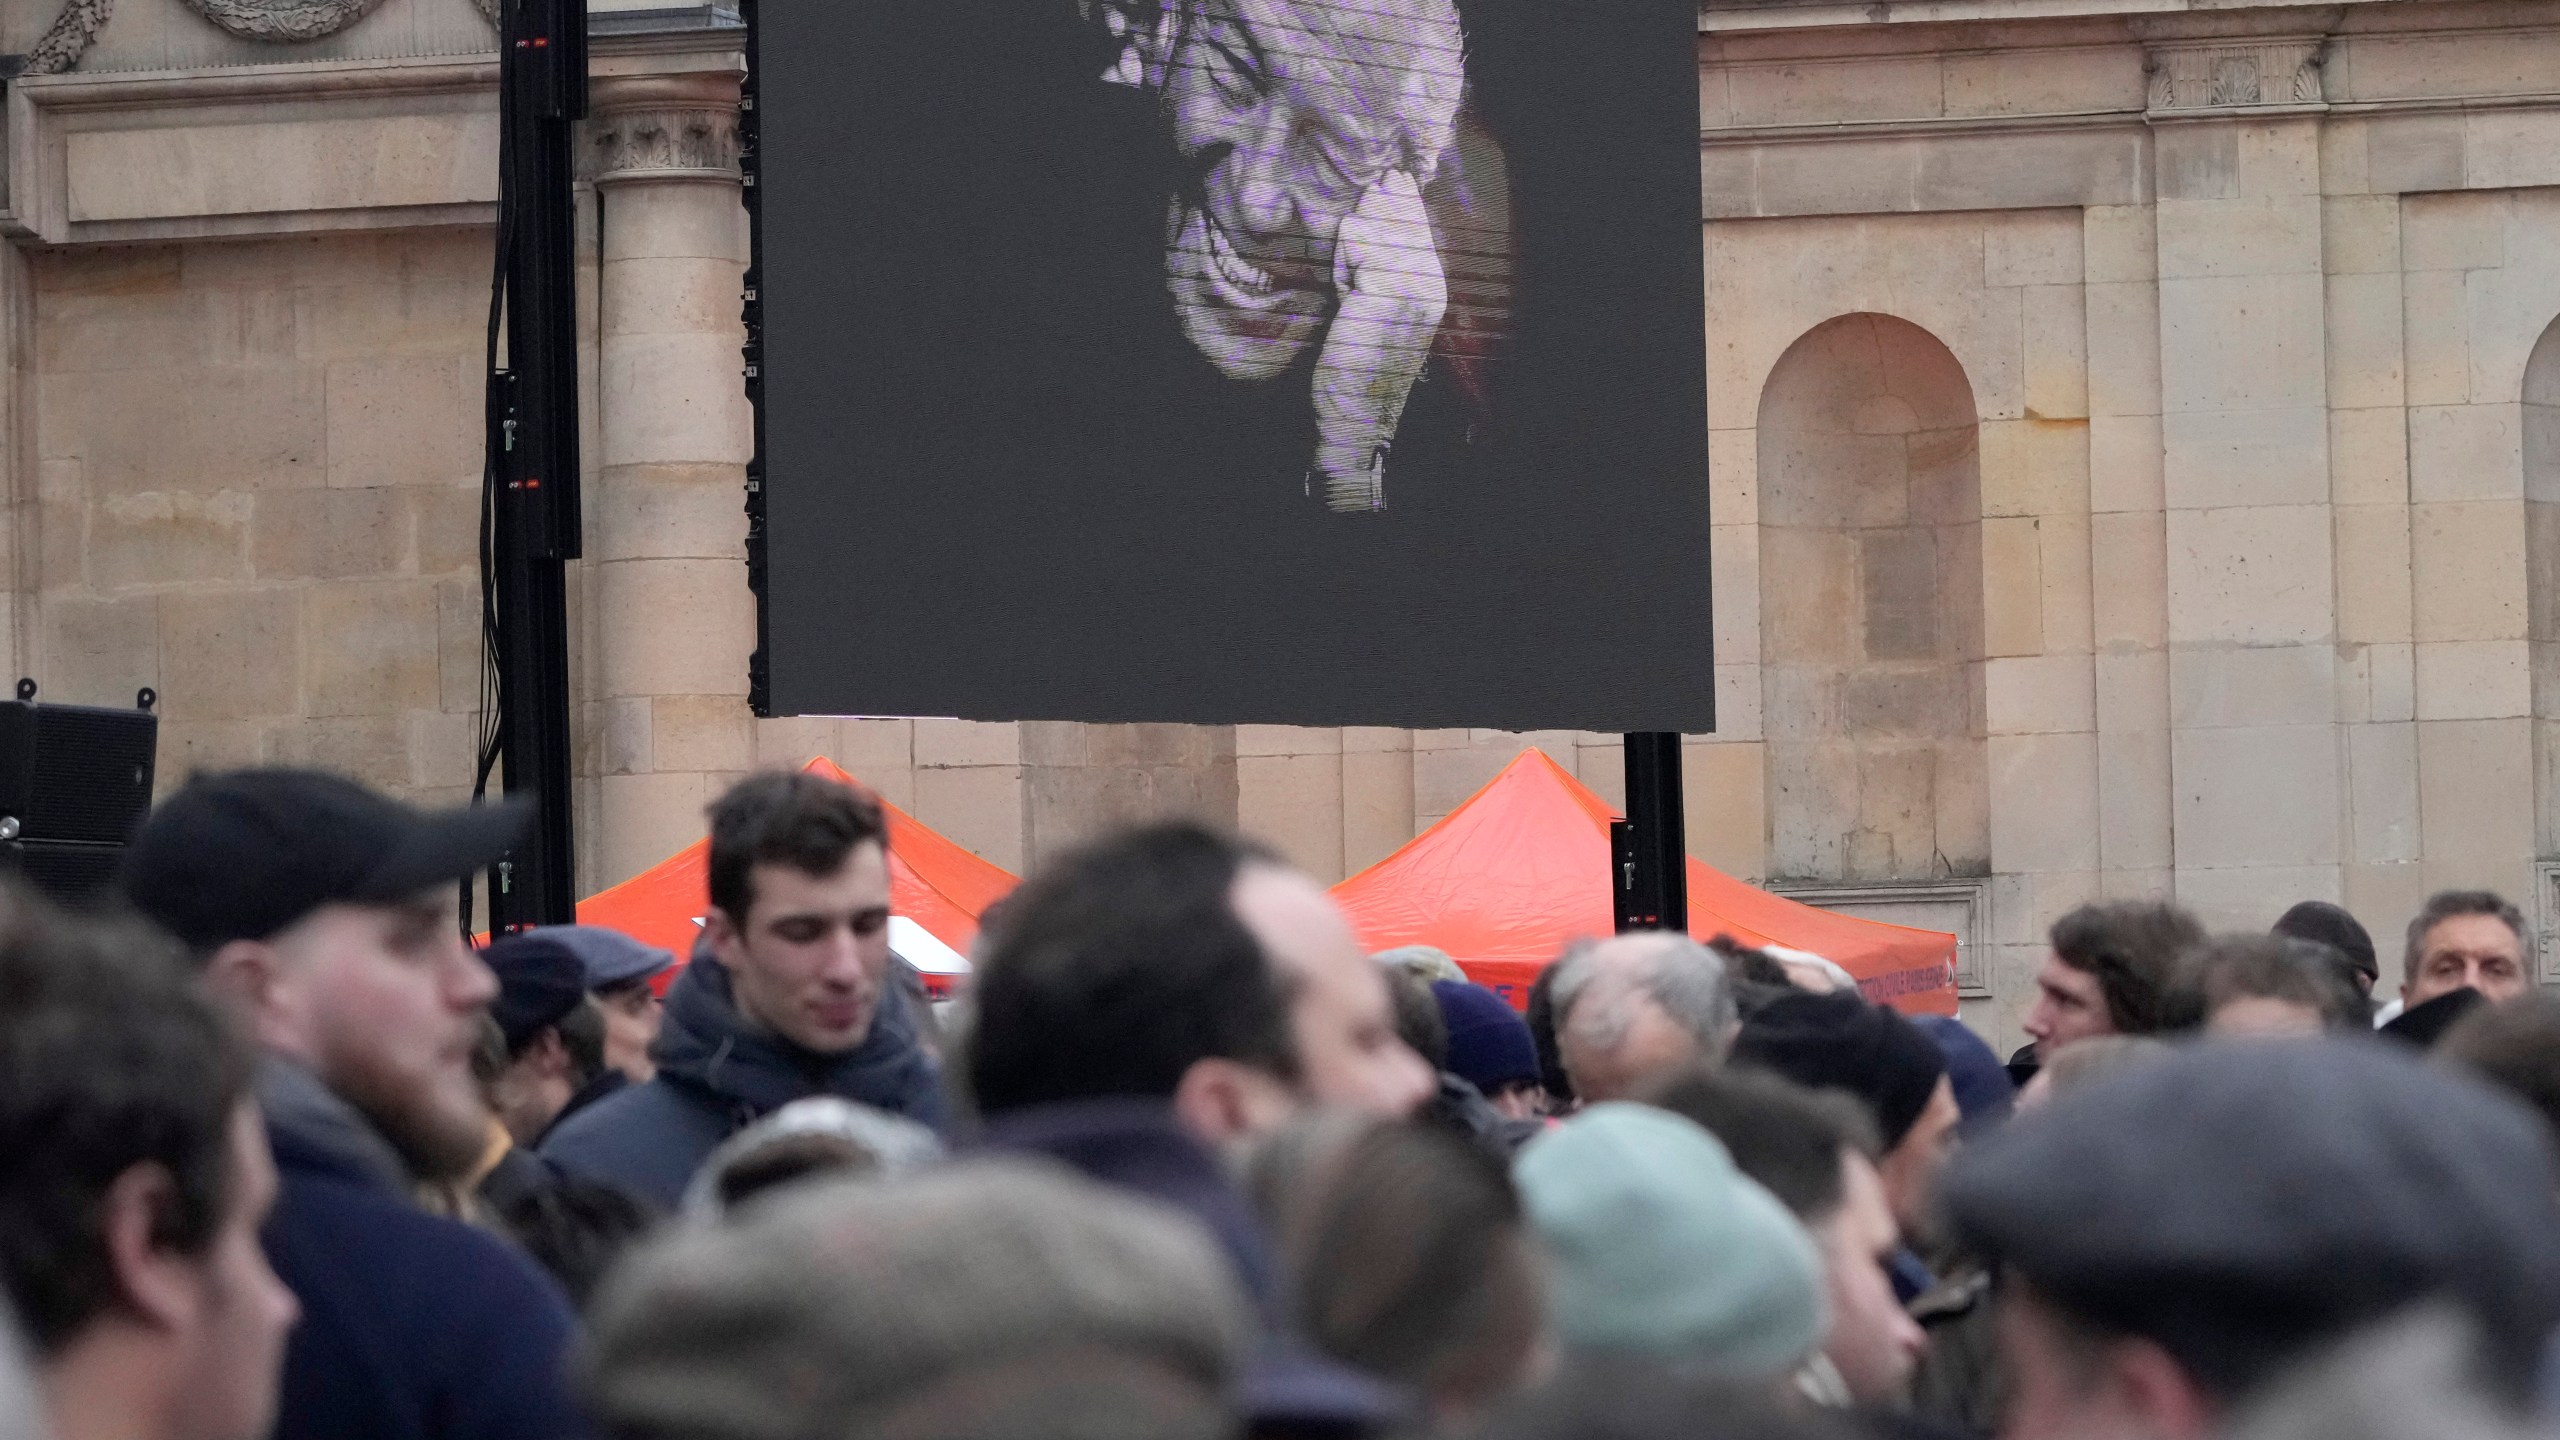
2157	1389
549	1054
1224	1101
251	978
725	935
157	1286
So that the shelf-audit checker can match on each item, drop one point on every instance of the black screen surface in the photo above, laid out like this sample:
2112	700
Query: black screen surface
1277	361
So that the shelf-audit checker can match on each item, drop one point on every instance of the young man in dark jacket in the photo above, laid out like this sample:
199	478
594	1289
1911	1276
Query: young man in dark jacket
795	999
323	915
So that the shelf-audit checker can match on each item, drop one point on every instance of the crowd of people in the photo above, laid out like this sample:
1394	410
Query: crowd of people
282	1153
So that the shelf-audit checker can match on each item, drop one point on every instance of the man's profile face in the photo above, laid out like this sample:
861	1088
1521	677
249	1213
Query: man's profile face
1261	107
2070	1006
2479	951
383	1002
810	958
1910	1170
1340	1016
1874	1343
237	1350
632	1012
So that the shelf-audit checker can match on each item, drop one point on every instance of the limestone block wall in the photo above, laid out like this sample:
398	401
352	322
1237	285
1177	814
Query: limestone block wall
255	488
2250	302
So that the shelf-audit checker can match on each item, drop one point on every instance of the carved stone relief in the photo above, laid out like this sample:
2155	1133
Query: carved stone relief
2224	74
657	140
67	39
283	21
280	22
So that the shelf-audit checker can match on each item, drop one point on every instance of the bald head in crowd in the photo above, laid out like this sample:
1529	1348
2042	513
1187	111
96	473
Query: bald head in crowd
1639	1006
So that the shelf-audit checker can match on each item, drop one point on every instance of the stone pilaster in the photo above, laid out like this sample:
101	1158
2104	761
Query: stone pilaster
2252	618
669	619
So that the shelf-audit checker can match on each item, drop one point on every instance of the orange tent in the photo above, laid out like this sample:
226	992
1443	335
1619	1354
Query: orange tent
932	881
1521	869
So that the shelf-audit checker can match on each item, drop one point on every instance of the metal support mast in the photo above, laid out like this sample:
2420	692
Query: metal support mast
532	517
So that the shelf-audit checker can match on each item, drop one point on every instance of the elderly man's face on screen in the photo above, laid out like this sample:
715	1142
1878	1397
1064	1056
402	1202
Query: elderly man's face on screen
1290	112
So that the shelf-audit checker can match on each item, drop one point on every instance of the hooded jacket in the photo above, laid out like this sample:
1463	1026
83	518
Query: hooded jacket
719	1073
413	1327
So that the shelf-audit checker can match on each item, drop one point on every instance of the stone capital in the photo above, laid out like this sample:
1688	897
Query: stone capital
662	127
2235	73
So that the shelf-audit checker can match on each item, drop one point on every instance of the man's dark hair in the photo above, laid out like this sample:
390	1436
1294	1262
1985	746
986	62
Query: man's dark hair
2278	967
786	817
1120	966
582	1035
110	1057
1782	1135
2135	948
2445	905
1419	1023
1746	964
2516	1046
575	1228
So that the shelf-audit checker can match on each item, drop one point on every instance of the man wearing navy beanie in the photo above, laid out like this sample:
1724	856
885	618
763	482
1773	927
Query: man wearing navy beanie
1489	1047
1840	1042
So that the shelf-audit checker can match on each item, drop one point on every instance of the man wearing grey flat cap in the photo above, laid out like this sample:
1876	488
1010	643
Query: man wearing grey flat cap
2178	1237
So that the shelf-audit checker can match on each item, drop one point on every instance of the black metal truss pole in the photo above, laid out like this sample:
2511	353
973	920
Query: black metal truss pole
1649	850
534	520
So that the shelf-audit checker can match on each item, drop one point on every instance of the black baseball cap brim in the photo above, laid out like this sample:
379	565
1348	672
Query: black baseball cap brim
444	847
243	855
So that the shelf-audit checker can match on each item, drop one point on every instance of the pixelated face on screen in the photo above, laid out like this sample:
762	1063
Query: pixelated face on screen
1307	131
1348	336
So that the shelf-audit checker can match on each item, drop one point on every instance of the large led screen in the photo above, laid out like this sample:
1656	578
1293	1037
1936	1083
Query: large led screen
1281	361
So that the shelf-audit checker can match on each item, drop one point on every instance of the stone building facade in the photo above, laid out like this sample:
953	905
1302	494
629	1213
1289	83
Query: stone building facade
2135	464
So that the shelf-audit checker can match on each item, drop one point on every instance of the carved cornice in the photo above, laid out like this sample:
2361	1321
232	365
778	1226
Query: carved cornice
662	143
2233	74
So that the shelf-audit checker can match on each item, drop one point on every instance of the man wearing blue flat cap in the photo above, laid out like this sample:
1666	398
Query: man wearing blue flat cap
618	973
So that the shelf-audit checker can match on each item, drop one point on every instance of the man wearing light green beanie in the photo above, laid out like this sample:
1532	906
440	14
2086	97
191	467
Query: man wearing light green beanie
1662	1250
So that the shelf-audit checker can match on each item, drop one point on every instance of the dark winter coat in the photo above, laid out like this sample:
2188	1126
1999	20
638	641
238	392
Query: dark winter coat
413	1327
1136	1144
718	1074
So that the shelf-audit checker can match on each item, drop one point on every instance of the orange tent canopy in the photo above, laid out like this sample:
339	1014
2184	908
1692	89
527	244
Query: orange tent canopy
1521	869
932	881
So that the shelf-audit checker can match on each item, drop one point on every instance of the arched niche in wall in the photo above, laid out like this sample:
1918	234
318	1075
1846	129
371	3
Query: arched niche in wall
2541	436
1871	608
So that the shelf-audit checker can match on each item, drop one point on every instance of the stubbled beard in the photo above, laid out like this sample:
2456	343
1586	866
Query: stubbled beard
438	1136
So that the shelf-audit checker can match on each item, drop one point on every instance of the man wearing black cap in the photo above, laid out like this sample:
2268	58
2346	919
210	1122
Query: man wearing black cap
322	914
2177	1237
1840	1042
2325	924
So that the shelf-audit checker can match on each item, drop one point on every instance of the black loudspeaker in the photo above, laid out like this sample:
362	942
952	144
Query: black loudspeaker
75	783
